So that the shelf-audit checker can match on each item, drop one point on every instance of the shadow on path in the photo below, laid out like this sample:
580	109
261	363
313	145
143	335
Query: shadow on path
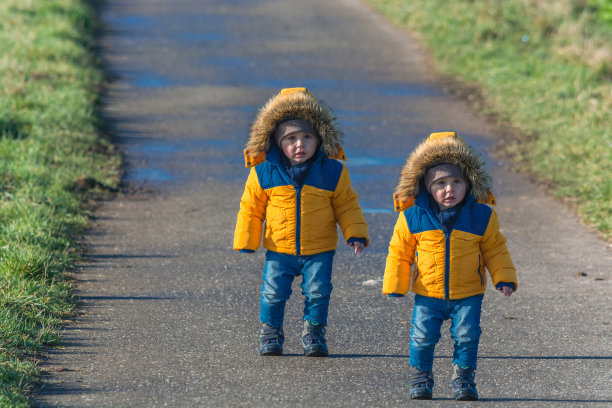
479	357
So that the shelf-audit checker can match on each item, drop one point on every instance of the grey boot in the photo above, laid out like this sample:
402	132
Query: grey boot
271	340
421	384
463	384
313	339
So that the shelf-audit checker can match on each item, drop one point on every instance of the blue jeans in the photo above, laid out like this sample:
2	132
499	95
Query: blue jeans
279	272
427	318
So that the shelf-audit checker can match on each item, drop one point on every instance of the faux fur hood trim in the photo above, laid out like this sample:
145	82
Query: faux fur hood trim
293	103
443	147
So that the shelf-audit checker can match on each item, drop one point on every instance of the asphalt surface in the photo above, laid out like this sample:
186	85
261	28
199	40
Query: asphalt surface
169	313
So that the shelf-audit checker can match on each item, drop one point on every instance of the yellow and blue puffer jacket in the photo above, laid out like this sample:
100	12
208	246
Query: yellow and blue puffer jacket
298	220
430	261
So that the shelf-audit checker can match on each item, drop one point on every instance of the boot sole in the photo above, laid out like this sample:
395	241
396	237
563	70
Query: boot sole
466	397
275	351
317	352
421	396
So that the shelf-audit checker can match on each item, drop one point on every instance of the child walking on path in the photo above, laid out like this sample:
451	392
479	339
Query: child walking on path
299	188
444	238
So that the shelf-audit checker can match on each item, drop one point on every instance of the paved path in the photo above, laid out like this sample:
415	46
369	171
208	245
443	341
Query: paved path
169	313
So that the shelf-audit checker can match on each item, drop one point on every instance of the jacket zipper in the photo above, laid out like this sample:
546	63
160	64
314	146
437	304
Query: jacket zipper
298	216
447	267
446	258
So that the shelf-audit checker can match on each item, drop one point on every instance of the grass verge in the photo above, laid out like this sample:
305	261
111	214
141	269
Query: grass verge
53	160
544	70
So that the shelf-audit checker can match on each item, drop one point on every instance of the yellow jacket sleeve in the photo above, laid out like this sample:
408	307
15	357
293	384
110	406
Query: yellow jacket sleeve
400	259
251	215
347	211
495	254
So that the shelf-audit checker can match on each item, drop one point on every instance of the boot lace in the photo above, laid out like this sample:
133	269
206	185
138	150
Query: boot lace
270	335
464	378
315	334
422	379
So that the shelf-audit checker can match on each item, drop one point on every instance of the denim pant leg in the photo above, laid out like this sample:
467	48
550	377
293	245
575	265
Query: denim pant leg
427	317
465	330
316	285
279	272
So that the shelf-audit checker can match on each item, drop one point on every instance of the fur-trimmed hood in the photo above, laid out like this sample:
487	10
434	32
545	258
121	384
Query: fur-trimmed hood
442	147
293	103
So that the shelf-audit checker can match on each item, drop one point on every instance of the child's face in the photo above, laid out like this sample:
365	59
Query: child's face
448	191
299	146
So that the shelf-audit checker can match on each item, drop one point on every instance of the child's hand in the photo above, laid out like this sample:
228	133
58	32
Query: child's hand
507	290
358	246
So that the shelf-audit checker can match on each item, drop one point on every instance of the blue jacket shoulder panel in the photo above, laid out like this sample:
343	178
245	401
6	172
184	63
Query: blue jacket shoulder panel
420	220
419	217
474	218
271	175
324	174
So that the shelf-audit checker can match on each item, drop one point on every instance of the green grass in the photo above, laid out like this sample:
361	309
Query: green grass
544	70
50	138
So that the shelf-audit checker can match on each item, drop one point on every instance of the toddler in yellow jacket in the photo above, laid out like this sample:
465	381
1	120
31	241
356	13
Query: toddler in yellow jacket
445	237
296	194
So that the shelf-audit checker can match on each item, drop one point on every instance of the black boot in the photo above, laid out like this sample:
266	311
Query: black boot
313	339
464	385
271	340
421	385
